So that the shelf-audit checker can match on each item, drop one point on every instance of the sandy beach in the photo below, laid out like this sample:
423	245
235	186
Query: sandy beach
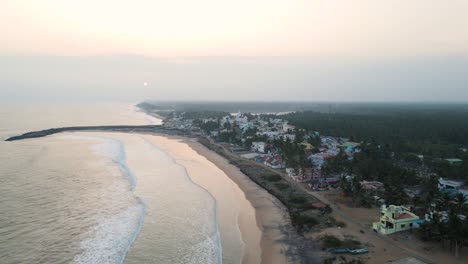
264	238
271	215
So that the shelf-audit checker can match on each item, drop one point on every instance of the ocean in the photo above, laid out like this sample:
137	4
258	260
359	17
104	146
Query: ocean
93	197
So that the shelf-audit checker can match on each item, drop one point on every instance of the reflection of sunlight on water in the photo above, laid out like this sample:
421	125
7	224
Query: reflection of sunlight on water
61	198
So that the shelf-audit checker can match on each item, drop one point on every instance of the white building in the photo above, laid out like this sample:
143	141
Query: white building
287	127
241	119
291	137
445	184
258	146
291	172
454	161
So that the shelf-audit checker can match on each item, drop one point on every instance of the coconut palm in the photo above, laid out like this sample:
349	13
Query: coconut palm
461	201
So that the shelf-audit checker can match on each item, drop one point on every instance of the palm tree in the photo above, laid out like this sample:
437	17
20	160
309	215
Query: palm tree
442	202
461	201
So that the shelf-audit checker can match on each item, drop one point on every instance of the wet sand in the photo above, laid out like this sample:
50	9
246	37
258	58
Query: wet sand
271	215
264	238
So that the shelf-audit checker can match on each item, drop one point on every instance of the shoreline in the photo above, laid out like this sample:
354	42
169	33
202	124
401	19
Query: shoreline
280	241
271	216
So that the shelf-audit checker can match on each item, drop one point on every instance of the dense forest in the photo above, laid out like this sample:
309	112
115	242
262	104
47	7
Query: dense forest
437	132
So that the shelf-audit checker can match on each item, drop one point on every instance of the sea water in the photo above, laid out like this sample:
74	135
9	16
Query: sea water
97	197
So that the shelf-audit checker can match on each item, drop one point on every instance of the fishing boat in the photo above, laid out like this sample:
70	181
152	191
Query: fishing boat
359	251
339	250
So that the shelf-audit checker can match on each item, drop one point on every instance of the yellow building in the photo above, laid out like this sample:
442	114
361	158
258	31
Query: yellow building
395	219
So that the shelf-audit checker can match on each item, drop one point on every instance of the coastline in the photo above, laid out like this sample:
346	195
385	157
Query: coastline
240	234
272	217
280	242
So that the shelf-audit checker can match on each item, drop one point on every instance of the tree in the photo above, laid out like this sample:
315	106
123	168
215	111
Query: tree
457	232
461	201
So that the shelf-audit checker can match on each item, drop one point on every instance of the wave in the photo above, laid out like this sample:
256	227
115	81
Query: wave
150	119
113	236
210	249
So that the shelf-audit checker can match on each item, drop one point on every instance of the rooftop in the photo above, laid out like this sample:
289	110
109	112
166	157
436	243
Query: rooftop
404	216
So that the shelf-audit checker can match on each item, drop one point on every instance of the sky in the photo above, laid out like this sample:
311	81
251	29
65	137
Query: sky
256	50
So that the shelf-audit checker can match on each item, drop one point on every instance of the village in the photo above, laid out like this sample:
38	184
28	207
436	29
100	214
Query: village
305	158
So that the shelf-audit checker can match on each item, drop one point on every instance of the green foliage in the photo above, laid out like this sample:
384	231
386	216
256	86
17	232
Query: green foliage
297	199
282	186
454	231
405	130
292	153
272	177
208	126
329	241
303	221
202	114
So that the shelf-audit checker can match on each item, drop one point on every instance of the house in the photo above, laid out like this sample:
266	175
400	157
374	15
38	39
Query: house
350	146
447	184
291	172
454	161
442	215
291	137
395	219
372	186
287	128
275	161
307	146
463	190
269	134
258	146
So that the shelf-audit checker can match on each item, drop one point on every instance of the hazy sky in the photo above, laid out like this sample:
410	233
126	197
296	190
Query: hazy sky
385	50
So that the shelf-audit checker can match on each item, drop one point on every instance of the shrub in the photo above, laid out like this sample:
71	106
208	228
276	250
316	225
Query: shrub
272	177
297	199
330	241
282	185
304	220
340	224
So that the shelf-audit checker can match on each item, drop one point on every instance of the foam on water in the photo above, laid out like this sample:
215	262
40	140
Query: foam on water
150	119
208	250
115	150
110	240
112	237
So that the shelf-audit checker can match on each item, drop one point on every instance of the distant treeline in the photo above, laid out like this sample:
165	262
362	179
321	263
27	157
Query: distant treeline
323	107
430	131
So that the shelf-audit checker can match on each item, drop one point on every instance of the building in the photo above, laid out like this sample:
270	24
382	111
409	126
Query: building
241	118
454	161
447	184
372	186
287	128
291	172
258	146
395	219
350	146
